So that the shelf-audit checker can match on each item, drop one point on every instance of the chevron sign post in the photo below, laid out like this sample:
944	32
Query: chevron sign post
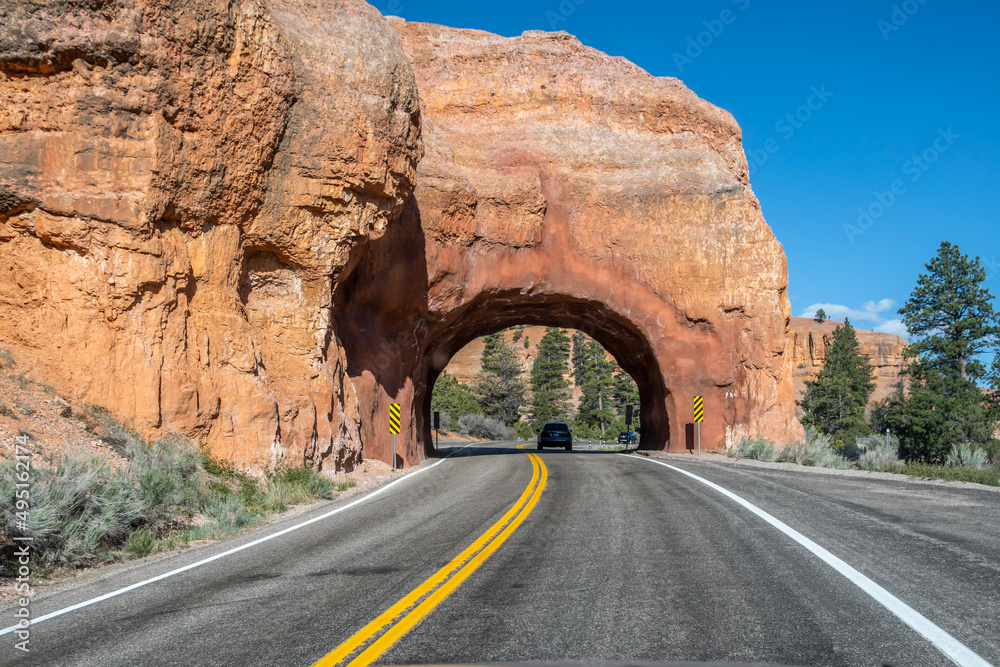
394	422
699	417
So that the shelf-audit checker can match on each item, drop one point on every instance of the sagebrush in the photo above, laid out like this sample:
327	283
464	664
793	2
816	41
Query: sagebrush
83	510
481	426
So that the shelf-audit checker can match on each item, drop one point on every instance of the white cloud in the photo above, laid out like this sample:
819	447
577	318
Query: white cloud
880	307
869	316
893	327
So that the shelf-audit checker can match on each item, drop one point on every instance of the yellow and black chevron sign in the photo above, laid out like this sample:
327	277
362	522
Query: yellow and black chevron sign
394	418
699	409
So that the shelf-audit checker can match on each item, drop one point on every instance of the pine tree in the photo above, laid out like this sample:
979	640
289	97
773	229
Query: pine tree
596	404
579	356
821	315
500	387
952	313
453	400
548	378
626	393
835	402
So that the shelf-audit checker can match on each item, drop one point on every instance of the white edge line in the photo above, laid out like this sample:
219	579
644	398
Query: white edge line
957	652
191	566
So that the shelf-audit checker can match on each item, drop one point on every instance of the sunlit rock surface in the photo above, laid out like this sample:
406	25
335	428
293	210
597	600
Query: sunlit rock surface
241	221
181	183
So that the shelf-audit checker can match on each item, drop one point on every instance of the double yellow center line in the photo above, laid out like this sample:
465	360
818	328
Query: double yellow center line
371	641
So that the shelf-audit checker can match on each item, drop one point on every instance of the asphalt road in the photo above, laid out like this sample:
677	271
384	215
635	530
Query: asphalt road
619	560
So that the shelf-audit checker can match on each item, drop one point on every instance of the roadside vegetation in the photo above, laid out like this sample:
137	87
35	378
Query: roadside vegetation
85	510
942	420
507	401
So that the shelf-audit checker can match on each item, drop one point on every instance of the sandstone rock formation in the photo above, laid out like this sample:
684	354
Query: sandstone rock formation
182	182
808	343
212	219
562	186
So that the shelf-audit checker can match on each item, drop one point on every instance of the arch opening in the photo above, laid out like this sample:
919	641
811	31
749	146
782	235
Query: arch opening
500	310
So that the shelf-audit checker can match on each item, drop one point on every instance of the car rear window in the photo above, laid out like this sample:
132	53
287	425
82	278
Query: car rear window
557	428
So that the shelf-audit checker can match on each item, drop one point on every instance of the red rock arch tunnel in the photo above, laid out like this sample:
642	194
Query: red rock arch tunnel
414	297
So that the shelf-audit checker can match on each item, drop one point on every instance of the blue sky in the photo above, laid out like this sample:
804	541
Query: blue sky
900	150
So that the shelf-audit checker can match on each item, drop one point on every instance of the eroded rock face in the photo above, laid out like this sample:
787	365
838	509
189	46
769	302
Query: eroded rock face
808	343
565	187
182	183
213	220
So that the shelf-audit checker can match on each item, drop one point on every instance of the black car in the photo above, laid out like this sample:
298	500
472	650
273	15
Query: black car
555	434
626	438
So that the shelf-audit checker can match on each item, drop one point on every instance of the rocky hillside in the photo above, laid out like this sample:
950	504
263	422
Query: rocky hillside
808	341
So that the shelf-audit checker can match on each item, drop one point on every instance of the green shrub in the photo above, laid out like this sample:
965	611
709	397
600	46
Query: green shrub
876	454
967	455
524	431
66	412
19	380
228	514
989	476
481	426
83	510
759	449
993	451
311	483
6	360
79	505
140	542
344	486
816	449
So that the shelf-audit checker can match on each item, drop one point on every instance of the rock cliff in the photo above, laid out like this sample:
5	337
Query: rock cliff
807	346
562	186
240	220
182	182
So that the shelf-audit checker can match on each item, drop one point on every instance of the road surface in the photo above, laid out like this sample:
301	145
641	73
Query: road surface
568	556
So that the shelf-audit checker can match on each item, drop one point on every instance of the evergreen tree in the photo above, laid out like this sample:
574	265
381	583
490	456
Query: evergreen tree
890	412
835	402
942	410
952	313
548	380
500	387
453	400
596	404
821	315
490	342
579	356
626	393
